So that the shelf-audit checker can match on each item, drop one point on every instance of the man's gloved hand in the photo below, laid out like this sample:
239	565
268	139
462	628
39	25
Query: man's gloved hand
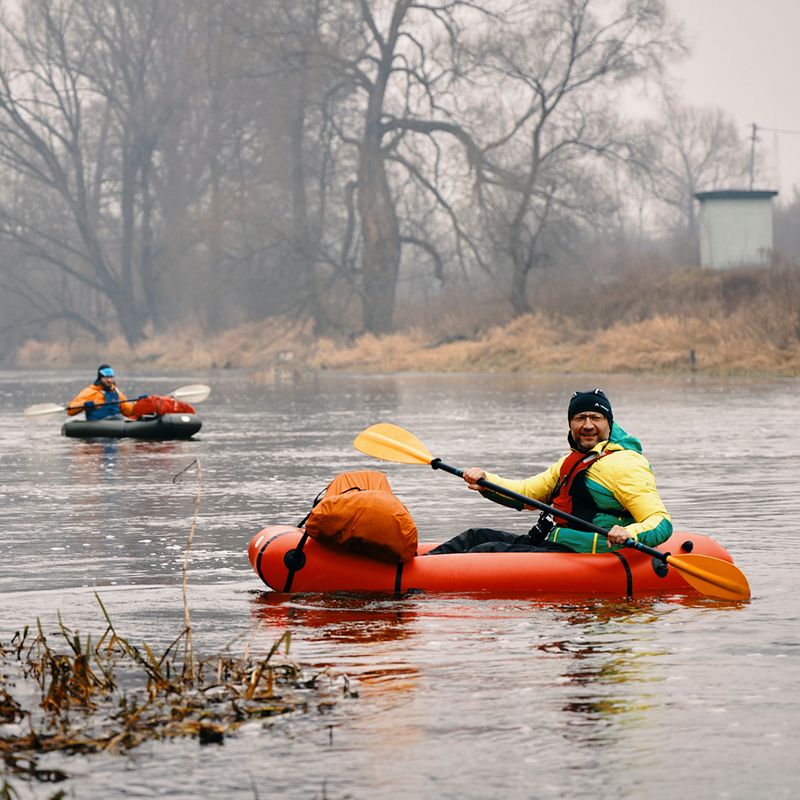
538	533
88	405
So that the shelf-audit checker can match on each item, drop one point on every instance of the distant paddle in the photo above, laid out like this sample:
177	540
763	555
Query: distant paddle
709	575
194	393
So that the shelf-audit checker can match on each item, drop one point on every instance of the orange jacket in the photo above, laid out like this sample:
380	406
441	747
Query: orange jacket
97	395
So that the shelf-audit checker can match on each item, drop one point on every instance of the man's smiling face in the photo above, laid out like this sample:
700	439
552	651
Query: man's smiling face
588	428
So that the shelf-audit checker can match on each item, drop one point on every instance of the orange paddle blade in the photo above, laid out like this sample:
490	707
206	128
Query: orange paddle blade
392	443
712	576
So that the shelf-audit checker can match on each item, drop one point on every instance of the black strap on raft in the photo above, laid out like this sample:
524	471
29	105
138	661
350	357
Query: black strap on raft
628	575
313	505
294	560
258	561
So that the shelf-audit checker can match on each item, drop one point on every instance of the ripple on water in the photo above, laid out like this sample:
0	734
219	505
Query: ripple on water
458	696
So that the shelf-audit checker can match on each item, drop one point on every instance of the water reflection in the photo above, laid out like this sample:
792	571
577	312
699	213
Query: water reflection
603	672
466	697
98	456
607	675
363	633
108	474
96	470
343	618
95	458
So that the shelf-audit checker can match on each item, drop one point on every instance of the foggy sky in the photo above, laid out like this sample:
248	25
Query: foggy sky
744	59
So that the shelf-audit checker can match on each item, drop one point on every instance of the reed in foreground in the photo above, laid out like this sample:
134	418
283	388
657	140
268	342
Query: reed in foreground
75	695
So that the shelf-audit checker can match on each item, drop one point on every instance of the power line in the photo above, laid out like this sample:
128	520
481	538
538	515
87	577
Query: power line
754	138
775	130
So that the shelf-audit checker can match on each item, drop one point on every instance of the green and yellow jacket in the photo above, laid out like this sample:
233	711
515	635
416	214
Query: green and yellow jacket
622	487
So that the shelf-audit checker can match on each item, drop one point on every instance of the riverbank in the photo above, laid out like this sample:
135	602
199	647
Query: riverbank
530	343
690	321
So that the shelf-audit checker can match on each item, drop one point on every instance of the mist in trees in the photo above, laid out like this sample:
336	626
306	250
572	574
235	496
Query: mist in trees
190	162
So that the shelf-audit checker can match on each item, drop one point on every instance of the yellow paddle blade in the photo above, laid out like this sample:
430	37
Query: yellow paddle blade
712	576
392	443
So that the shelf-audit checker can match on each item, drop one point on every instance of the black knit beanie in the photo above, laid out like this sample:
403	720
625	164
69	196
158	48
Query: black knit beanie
594	400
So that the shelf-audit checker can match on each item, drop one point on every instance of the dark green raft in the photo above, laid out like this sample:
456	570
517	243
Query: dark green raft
154	429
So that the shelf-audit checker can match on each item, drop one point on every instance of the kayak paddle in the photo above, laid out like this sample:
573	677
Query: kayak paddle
710	576
194	393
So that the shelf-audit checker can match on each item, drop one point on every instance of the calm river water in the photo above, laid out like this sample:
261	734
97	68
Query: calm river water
458	696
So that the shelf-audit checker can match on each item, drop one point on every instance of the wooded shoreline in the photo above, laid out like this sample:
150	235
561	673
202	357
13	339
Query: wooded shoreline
670	344
678	321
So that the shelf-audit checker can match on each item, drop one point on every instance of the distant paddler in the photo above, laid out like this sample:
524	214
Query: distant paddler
103	394
101	399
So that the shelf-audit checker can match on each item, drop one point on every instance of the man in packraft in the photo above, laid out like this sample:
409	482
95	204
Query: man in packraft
101	399
604	479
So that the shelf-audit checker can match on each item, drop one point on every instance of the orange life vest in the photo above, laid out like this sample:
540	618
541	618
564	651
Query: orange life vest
570	493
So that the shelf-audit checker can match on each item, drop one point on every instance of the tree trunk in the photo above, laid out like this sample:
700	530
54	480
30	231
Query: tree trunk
381	235
304	241
130	321
380	229
519	286
148	271
520	257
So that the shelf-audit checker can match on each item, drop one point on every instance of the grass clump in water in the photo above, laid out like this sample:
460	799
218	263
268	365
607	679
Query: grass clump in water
80	696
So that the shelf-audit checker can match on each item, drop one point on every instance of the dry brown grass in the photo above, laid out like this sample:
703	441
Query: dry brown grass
81	695
254	345
737	344
76	694
733	322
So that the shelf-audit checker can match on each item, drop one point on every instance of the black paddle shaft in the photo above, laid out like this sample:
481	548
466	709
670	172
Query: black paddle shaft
112	403
437	463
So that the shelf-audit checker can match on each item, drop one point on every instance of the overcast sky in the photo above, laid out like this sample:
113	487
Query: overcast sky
744	59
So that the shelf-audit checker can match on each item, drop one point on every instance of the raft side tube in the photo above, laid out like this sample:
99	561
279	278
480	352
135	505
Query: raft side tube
623	573
160	428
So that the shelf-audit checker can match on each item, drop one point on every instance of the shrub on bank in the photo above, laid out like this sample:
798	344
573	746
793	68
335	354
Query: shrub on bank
725	322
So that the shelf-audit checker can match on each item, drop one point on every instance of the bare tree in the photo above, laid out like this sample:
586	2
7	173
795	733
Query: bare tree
397	73
560	70
687	149
86	91
287	82
173	159
515	93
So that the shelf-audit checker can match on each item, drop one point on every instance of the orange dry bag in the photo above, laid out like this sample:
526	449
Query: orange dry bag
359	513
158	405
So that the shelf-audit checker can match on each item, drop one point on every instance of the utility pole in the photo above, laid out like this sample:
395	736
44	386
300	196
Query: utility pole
754	139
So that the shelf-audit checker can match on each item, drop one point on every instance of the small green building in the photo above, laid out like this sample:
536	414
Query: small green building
735	228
